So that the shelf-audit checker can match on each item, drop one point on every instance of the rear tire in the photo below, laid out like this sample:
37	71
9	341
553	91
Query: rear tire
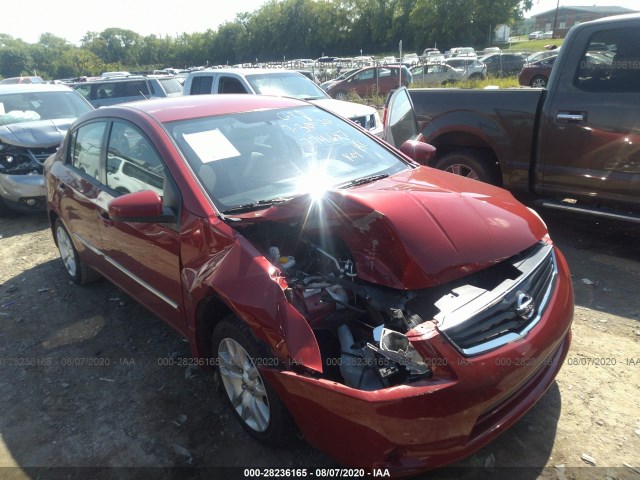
77	270
255	404
470	164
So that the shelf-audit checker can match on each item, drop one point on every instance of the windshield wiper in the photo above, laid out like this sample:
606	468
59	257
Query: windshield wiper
363	180
247	207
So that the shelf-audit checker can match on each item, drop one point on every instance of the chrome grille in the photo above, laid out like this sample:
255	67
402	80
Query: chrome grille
509	311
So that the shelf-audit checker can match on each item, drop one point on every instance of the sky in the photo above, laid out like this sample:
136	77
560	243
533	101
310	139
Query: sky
28	19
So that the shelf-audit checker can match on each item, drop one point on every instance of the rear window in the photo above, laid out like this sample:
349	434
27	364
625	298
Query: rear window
171	85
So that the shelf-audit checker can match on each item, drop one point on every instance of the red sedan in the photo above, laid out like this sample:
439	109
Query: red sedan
400	317
536	74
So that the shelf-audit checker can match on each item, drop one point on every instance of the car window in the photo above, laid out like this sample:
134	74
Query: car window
201	84
385	72
32	106
132	162
134	88
170	85
614	70
265	155
230	85
365	75
86	145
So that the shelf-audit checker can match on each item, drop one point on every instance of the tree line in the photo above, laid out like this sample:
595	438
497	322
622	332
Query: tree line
280	30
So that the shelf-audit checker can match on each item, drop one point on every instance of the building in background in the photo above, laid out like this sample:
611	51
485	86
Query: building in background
560	20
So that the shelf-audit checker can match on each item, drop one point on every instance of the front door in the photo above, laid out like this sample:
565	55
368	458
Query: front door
144	258
590	143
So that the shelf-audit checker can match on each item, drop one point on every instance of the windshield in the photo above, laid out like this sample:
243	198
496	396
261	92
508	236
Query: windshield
32	106
254	158
286	84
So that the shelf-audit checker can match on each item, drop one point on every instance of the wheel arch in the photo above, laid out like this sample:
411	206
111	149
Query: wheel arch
458	140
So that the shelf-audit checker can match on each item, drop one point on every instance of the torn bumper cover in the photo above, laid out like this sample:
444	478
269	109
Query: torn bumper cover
467	402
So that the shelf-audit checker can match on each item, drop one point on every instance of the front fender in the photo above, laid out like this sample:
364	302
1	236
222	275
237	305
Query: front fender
232	269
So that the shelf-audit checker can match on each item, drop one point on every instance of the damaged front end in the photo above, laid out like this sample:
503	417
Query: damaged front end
21	181
364	287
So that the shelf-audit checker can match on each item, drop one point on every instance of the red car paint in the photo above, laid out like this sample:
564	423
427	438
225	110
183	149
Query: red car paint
408	234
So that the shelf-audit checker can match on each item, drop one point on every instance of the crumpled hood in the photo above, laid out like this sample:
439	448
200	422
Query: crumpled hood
38	134
420	228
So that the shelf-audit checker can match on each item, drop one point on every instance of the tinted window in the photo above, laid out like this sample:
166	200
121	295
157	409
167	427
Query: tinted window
201	84
616	69
132	162
85	148
230	85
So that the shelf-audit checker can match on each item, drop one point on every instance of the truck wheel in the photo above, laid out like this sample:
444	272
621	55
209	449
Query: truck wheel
539	81
468	163
341	95
254	403
78	271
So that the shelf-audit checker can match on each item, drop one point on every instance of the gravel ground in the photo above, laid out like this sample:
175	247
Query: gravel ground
84	379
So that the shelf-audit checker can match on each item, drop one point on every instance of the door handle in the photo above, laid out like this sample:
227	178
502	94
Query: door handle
106	219
571	117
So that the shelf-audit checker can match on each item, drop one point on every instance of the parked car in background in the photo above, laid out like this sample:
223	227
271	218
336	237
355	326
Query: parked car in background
344	74
461	52
263	81
370	81
33	121
122	88
288	247
14	80
432	55
503	64
534	57
488	50
537	35
474	69
432	74
536	74
547	35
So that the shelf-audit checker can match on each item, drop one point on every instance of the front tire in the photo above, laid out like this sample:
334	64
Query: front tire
78	271
341	95
469	164
255	404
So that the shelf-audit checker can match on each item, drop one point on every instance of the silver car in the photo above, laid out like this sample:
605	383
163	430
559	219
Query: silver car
33	121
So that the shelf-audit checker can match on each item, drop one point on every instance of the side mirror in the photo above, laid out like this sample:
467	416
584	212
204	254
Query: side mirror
143	207
420	152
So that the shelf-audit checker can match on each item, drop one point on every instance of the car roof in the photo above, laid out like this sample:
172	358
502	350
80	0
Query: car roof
245	71
33	87
194	106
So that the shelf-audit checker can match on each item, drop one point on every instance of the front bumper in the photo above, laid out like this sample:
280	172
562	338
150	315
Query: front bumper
433	422
23	192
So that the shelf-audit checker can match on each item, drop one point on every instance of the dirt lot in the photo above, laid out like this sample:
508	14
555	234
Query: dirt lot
82	382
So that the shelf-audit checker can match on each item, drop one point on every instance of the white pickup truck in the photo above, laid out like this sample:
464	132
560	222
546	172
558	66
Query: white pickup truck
285	83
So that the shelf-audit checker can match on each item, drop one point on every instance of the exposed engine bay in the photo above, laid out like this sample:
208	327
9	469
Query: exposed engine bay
16	160
359	326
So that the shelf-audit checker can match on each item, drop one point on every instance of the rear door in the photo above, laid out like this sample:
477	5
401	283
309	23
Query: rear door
79	188
590	141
